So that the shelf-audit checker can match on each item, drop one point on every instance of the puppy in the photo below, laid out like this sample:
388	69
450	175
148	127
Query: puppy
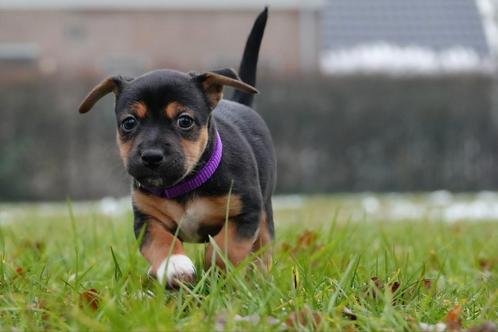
202	166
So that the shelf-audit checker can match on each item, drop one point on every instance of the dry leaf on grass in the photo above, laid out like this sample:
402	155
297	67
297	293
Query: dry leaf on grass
90	298
286	247
304	317
453	323
377	282
453	320
394	286
427	283
307	240
486	264
349	314
378	286
42	306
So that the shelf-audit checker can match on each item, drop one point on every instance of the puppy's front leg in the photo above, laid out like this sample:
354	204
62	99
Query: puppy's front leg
157	244
235	239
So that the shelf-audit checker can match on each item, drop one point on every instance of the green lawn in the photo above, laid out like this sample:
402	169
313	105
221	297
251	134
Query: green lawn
79	269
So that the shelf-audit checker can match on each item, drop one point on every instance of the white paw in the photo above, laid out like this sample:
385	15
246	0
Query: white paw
175	269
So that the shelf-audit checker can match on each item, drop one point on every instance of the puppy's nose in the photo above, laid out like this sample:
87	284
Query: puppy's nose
152	158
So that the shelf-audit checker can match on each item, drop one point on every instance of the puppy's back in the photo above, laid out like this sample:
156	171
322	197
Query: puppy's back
249	124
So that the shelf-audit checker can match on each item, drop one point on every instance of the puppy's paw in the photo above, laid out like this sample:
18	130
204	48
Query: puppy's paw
175	270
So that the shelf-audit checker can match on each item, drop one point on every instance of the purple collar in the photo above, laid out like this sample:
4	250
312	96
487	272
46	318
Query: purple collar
198	180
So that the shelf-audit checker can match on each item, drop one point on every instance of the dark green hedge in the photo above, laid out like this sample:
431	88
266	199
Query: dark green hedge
384	134
349	133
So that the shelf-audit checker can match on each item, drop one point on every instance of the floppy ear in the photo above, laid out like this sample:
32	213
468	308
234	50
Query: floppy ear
212	84
111	84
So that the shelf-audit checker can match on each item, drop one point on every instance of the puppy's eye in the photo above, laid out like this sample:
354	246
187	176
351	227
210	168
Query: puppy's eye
185	121
129	123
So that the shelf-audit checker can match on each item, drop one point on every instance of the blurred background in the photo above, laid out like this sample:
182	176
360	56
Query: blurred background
360	95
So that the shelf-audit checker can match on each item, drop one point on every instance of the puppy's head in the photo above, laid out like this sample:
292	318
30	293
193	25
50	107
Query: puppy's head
163	119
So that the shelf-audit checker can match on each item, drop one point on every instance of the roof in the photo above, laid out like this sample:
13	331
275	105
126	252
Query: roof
434	24
159	4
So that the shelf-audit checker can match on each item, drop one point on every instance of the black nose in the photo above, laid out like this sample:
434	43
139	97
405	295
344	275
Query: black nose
152	158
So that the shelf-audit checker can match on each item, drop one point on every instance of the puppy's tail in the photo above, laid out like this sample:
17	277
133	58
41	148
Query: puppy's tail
247	70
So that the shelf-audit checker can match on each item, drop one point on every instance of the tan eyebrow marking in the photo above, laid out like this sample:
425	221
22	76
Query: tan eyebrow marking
139	109
174	109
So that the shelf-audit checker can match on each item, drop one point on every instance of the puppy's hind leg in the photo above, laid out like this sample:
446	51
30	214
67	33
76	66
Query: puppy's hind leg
263	243
235	240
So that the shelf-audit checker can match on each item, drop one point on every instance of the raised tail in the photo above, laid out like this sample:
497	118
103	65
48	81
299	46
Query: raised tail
249	63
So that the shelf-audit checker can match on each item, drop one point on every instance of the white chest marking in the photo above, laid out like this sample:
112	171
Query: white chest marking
195	214
201	212
189	227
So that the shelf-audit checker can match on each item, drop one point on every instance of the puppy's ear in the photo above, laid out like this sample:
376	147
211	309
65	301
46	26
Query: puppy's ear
212	84
111	84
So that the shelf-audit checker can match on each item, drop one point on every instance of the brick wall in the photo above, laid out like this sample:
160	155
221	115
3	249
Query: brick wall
93	42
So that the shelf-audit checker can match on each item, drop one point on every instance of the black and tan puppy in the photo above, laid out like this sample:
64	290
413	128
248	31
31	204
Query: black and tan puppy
201	166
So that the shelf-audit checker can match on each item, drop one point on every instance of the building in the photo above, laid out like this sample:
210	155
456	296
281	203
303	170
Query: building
85	37
93	37
404	35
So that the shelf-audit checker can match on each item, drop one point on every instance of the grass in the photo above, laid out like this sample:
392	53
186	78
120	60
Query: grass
82	271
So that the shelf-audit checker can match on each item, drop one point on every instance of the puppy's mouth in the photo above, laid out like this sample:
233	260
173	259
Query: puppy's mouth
162	177
155	182
158	182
